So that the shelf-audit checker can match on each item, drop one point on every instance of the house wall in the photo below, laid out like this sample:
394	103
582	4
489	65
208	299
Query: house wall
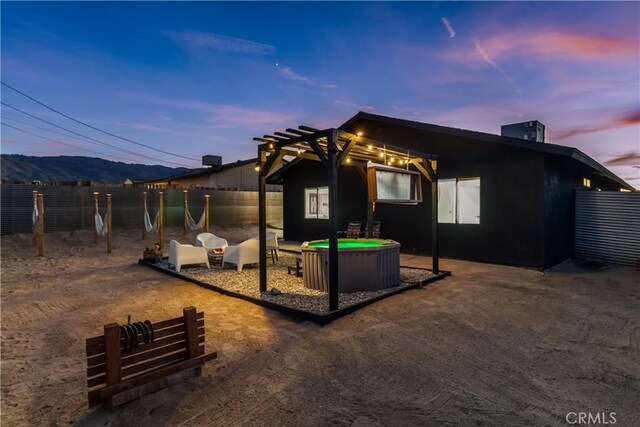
352	197
511	229
237	178
561	179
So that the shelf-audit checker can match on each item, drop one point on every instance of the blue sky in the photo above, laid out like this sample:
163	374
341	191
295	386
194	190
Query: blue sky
200	78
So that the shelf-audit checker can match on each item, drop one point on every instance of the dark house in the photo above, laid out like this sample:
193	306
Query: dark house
501	199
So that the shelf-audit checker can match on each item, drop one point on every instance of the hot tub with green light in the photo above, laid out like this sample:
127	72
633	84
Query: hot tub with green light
363	264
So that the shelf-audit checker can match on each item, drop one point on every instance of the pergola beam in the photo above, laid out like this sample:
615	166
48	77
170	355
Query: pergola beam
345	150
395	150
319	151
308	129
297	132
273	159
285	135
425	168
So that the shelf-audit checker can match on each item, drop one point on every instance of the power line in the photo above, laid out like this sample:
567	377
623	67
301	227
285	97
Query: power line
60	142
41	128
95	128
90	138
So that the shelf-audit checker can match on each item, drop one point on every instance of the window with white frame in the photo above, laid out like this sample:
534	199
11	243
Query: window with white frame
459	201
316	203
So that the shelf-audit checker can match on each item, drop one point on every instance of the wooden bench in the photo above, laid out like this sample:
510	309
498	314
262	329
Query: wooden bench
116	376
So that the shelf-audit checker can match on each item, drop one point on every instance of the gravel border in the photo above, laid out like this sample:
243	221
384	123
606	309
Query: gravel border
289	289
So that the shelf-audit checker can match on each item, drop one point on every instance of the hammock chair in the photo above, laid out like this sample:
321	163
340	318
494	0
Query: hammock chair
101	226
151	228
190	221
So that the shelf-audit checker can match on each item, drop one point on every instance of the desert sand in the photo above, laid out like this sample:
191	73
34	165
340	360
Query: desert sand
491	345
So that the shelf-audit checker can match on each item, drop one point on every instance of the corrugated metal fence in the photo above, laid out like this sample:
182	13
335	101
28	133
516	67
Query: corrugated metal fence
608	227
72	208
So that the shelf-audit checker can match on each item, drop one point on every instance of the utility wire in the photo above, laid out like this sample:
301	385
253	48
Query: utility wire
95	128
60	142
92	139
43	128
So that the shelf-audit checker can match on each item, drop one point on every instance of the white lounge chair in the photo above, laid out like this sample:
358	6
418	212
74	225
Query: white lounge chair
272	244
247	252
211	241
180	255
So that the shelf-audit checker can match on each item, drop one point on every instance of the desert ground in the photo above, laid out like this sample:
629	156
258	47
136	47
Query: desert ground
490	345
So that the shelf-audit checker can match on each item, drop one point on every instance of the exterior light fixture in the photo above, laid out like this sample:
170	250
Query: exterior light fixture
348	159
359	134
257	167
391	160
369	147
271	145
381	155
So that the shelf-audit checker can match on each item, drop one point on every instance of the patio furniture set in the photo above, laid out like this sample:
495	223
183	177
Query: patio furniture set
211	249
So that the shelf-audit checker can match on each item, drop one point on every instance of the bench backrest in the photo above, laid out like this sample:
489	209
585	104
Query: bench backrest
175	340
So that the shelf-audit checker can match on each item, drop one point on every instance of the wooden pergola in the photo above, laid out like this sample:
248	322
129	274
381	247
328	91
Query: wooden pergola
335	148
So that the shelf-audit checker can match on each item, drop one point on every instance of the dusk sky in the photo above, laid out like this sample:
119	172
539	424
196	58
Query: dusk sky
195	78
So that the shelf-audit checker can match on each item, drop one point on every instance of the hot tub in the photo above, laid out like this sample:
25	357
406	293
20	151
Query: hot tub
363	264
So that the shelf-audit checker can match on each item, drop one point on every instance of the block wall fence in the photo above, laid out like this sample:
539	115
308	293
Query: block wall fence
72	208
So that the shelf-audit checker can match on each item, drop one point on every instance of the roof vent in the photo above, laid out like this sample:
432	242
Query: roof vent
531	131
211	160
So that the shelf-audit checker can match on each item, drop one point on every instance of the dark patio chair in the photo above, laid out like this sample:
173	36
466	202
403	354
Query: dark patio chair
353	230
375	230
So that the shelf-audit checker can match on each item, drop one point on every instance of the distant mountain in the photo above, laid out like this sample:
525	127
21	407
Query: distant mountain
79	168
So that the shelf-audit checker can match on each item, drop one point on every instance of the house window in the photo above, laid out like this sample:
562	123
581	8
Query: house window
586	182
316	203
459	201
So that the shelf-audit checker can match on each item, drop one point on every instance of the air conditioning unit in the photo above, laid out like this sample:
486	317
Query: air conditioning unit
211	160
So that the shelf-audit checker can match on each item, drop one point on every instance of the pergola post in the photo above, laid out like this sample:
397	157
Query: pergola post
332	183
262	216
434	219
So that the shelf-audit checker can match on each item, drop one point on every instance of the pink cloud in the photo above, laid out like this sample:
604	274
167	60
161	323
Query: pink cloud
628	159
627	119
550	44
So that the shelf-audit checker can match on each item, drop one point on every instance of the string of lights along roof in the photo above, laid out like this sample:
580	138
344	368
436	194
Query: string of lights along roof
96	141
93	127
